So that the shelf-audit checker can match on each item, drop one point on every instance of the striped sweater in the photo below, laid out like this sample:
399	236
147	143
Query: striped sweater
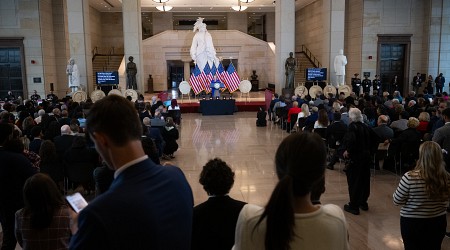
416	203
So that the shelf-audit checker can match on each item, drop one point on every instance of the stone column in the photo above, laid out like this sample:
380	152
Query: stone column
438	52
187	68
284	39
80	41
333	37
132	37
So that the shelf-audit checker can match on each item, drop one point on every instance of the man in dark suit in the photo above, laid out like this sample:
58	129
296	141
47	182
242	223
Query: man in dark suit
356	84
14	170
64	141
215	220
417	83
442	136
335	133
147	206
440	81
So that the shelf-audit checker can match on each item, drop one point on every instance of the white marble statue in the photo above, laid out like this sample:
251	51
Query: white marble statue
202	48
73	75
339	67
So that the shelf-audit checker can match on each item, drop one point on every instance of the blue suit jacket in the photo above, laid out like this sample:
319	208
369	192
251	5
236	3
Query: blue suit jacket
148	206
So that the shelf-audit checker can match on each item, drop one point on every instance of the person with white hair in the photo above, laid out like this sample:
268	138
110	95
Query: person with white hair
359	145
38	119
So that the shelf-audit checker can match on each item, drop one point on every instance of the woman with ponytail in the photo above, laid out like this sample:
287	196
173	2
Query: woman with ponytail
290	220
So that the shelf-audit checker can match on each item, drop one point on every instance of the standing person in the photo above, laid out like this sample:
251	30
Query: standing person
359	144
423	193
442	135
366	83
15	168
356	84
214	220
131	74
440	81
395	84
73	75
430	85
290	220
376	83
289	67
339	67
147	206
417	83
35	97
44	222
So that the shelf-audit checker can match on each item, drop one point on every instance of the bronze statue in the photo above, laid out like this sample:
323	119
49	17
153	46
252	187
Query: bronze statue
131	74
254	76
290	70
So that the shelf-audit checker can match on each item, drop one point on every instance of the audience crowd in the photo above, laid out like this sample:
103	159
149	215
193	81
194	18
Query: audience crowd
85	147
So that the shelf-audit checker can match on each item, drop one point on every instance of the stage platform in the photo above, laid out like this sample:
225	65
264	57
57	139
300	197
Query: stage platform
244	102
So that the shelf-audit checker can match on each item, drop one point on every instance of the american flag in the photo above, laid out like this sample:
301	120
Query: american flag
221	74
207	77
196	80
232	78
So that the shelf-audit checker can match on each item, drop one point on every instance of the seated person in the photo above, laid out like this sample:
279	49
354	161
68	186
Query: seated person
214	220
155	134
38	228
261	118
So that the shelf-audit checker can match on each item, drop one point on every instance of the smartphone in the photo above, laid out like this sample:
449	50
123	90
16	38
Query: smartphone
77	202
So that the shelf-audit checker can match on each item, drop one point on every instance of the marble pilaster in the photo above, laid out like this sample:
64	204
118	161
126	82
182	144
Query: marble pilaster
284	39
333	34
80	40
132	34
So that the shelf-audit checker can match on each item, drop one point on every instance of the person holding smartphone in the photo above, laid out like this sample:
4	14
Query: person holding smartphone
147	206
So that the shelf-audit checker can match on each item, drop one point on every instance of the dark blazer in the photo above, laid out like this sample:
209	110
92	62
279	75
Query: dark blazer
148	206
335	133
63	143
214	223
15	168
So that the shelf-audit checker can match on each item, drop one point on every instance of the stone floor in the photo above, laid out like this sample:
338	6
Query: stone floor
250	151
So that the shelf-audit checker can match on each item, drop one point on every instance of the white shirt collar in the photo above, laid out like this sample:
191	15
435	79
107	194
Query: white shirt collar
128	164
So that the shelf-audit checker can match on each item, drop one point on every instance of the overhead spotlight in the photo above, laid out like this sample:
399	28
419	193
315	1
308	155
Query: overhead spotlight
247	1
160	1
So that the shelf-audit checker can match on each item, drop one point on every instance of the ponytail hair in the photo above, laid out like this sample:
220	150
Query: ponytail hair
300	163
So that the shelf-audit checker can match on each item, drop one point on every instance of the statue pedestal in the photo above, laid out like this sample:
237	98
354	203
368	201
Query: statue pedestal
255	85
288	92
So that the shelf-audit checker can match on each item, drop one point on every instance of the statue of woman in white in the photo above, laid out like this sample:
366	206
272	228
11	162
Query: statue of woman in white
202	48
73	75
339	67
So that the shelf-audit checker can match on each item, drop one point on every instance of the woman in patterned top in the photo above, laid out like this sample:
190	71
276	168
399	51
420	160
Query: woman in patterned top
424	194
44	222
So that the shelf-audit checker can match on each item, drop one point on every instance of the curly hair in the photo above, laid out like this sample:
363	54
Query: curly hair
217	177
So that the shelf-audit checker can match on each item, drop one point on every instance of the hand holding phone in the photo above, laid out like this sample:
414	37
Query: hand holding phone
76	201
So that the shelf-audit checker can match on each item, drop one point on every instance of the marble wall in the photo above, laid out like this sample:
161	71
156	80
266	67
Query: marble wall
96	27
162	21
309	28
439	40
237	21
20	18
112	29
353	37
61	44
252	54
